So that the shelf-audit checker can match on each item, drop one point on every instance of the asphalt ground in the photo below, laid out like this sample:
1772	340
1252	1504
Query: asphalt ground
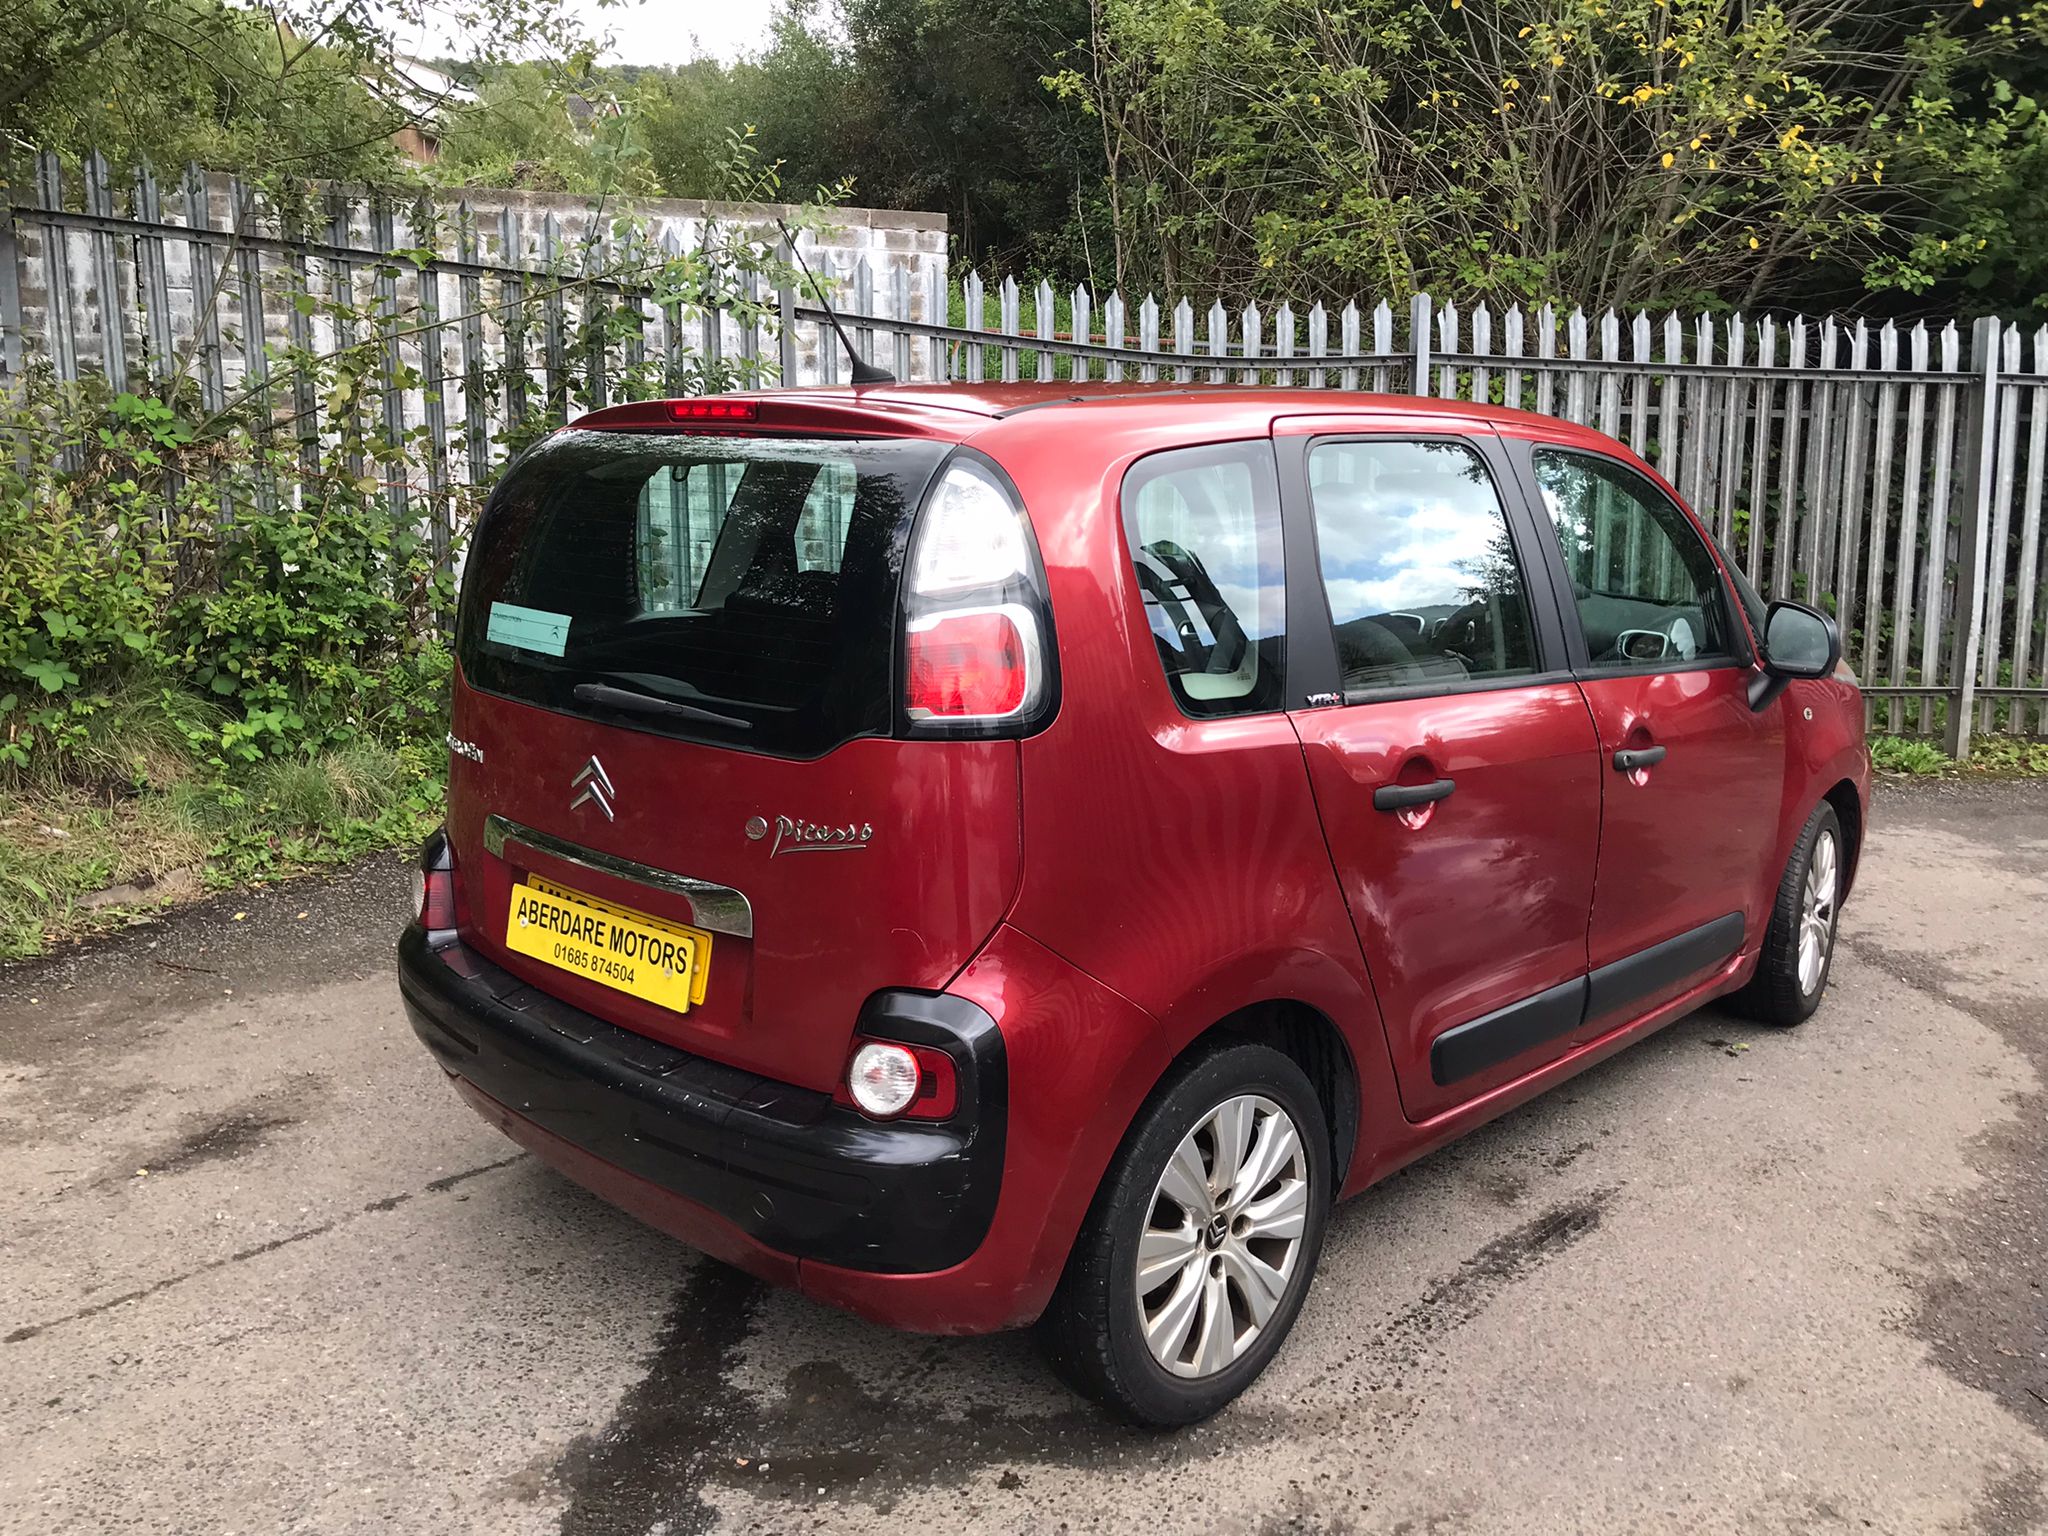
261	1271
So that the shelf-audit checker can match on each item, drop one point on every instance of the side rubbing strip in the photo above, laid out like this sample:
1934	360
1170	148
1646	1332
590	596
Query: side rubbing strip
1507	1032
1616	986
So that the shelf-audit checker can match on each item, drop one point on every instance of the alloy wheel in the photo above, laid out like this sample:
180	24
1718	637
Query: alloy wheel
1817	912
1223	1234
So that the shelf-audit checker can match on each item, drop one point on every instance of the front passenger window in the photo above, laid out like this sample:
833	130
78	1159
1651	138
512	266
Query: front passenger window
1647	590
1420	570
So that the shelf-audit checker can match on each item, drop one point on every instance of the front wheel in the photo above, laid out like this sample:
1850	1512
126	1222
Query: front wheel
1799	947
1198	1251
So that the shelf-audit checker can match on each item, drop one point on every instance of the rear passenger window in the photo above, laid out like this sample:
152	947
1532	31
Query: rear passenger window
1204	528
1418	564
1646	589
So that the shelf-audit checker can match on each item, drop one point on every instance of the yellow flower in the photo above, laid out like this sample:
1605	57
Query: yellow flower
1525	31
1878	177
1556	60
1753	242
1748	100
1667	159
1457	5
1695	143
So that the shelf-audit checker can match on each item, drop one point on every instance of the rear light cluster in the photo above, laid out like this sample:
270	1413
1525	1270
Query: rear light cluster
976	631
433	887
887	1080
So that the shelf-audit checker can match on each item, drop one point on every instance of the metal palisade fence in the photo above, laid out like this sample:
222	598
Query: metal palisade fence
1893	474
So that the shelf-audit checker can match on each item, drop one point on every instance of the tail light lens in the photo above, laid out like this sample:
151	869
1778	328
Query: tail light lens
887	1080
977	655
433	886
970	664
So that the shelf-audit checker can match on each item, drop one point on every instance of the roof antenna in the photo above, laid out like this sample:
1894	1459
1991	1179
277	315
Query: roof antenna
863	371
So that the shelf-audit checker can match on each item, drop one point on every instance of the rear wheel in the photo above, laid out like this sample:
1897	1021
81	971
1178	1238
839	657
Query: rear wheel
1799	947
1197	1253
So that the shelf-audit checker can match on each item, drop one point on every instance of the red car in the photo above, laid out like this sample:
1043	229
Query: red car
993	855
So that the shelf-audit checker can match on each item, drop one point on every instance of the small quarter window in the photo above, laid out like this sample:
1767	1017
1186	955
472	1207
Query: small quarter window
1204	528
1420	570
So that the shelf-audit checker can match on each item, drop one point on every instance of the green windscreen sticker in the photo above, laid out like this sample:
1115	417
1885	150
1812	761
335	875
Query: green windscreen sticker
531	629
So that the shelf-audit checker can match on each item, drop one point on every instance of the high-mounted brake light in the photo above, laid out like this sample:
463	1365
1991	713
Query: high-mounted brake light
714	409
976	629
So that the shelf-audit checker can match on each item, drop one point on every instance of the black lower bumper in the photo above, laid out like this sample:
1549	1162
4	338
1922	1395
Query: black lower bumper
786	1165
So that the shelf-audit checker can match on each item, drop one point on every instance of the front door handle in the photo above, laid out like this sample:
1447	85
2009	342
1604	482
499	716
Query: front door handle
1629	759
1401	797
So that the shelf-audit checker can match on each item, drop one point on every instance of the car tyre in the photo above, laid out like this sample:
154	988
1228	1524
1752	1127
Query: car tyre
1239	1269
1799	947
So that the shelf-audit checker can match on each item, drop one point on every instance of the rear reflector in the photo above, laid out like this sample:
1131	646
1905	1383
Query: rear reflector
970	665
713	409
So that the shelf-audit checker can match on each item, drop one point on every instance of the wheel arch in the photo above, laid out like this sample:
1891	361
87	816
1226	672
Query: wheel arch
1848	806
1312	1041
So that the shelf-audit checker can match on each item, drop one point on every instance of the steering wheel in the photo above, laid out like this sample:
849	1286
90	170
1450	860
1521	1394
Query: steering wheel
1467	634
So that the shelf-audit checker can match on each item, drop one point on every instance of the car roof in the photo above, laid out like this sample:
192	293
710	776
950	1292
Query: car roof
936	404
999	400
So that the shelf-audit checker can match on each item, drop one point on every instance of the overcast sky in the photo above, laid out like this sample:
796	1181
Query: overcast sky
670	31
657	32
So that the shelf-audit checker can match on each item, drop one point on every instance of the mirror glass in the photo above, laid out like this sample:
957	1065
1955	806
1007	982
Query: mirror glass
1797	640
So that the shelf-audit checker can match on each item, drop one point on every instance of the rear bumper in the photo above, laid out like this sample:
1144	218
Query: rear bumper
754	1171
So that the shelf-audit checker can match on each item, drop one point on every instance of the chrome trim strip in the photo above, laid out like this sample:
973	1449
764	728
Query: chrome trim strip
717	907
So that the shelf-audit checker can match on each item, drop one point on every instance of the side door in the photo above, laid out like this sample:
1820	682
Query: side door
1454	763
1693	775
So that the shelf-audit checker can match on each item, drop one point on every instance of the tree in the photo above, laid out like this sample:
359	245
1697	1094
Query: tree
286	87
1610	151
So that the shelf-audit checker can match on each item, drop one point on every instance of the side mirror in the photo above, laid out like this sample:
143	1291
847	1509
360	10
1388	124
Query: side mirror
1799	642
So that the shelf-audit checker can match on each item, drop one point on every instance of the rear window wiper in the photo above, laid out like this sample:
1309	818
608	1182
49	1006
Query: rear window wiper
648	704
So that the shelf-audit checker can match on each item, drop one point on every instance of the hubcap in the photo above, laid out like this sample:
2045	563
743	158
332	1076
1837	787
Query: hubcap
1222	1237
1817	912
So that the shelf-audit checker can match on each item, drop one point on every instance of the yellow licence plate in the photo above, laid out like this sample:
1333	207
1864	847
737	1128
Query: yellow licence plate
662	963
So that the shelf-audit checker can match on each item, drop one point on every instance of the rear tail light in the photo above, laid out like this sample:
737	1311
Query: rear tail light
433	886
887	1080
970	664
977	656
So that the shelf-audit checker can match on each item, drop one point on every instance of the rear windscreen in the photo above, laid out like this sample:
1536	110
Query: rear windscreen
725	589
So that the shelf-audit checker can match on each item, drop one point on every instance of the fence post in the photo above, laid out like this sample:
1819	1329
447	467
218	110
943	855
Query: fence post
785	310
10	300
1979	465
99	199
57	322
1418	336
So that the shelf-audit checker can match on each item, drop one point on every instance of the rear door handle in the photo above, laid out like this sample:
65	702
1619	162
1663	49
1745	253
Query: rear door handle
1399	797
1630	759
